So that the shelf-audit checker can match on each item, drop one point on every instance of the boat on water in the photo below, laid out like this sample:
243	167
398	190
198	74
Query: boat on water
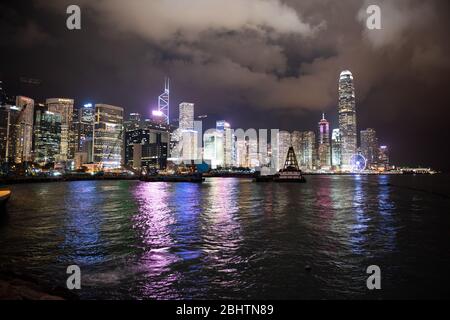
4	197
290	173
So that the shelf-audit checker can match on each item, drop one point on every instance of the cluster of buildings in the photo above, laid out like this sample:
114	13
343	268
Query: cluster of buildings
99	137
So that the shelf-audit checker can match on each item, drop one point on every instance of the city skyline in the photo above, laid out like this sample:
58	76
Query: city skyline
287	87
318	153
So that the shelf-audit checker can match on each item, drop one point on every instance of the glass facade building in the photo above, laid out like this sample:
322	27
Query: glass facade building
47	135
369	147
108	136
65	108
347	119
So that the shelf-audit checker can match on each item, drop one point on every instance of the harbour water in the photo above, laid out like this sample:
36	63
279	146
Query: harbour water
232	238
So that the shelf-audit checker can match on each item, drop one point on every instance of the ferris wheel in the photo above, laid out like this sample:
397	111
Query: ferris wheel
358	162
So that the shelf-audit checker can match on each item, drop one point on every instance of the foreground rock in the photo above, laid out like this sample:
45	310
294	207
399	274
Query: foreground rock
14	287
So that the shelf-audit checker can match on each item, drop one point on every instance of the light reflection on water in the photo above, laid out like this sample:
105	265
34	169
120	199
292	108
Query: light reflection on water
228	238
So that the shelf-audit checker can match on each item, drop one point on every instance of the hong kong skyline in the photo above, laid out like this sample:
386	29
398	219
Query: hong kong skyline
263	74
209	158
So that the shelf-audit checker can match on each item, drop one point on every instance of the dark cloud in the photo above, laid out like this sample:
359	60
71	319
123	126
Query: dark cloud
258	63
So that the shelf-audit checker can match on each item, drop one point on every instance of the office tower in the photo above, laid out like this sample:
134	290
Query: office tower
297	144
347	119
336	148
188	143
189	146
8	125
47	135
9	114
108	136
383	157
213	142
284	143
22	125
186	119
309	143
147	148
82	133
324	150
133	122
252	143
65	108
370	147
227	135
241	157
164	102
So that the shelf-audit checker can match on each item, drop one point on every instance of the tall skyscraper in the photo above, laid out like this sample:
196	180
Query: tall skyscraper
383	157
309	145
324	150
23	129
188	143
227	136
9	128
83	131
186	119
347	119
65	108
297	144
336	148
108	135
213	147
133	122
284	143
164	102
47	135
147	148
369	147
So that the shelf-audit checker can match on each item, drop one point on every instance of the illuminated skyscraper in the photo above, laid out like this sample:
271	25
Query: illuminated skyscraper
108	135
188	143
47	135
133	122
324	150
213	145
297	144
383	157
336	148
22	125
284	143
147	148
186	119
83	131
308	146
164	102
347	119
65	108
227	133
369	147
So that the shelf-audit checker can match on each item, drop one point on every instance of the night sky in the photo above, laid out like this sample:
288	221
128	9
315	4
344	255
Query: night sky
256	63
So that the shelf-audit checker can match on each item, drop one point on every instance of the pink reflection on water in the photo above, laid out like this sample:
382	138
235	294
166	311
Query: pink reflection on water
223	233
152	224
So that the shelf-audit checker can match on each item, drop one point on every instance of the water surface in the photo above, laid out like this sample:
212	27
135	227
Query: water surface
232	238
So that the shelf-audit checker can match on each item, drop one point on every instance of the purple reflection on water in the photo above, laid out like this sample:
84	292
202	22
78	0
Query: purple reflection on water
153	226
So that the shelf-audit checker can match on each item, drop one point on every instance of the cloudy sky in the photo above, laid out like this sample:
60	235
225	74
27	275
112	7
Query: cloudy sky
255	63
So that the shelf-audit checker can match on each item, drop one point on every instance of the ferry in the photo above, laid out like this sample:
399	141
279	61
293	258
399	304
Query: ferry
4	197
291	172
